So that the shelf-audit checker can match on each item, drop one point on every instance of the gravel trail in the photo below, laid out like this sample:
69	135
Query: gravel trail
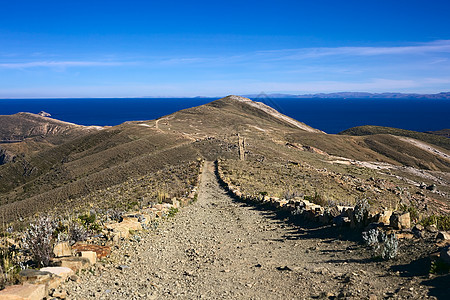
218	248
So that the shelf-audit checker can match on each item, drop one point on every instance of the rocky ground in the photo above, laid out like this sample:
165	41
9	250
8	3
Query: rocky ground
218	248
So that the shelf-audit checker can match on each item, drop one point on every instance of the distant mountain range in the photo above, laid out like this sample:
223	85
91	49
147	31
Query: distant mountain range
363	95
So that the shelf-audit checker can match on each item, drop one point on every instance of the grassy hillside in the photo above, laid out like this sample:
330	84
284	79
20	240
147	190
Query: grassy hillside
78	168
437	140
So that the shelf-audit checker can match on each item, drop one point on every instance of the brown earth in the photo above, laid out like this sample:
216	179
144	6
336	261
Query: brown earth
219	248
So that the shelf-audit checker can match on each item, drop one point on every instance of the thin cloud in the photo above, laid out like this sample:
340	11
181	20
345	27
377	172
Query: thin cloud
60	64
304	53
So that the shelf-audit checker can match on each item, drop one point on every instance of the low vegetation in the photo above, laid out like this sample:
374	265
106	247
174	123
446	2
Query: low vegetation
421	136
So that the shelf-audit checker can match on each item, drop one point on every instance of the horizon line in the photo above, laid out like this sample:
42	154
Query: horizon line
219	97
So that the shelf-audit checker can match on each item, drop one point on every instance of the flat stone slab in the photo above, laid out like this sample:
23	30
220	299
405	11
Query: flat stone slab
23	292
101	251
32	276
62	272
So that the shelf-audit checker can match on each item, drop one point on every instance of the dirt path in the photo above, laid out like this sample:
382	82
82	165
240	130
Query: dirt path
221	249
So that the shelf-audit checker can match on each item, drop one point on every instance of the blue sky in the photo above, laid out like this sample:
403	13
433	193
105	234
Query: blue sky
214	48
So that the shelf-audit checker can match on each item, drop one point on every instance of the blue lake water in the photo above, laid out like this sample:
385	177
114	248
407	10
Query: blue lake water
329	115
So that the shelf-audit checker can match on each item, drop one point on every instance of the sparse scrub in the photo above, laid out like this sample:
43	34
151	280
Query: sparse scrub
89	221
38	239
442	222
9	265
318	199
77	232
172	212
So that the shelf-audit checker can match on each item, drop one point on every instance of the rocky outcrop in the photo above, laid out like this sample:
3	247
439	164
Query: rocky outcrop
6	156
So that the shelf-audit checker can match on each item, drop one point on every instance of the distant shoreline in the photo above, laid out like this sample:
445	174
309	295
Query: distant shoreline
338	95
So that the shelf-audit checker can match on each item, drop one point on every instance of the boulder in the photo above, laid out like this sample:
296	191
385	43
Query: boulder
431	228
384	217
91	255
74	263
400	220
431	187
443	235
123	228
283	202
333	212
445	254
62	249
24	292
101	251
62	272
418	227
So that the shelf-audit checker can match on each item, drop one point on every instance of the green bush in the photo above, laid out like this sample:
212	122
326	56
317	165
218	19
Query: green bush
439	267
442	222
172	211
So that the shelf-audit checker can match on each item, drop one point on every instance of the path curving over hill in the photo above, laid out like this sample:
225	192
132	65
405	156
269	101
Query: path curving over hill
218	248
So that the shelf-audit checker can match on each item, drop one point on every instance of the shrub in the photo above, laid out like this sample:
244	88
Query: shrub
441	222
172	212
439	267
389	247
9	266
89	222
382	245
38	240
361	213
370	237
317	199
77	232
298	211
115	215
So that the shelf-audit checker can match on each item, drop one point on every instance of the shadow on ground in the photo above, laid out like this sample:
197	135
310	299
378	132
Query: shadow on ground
306	229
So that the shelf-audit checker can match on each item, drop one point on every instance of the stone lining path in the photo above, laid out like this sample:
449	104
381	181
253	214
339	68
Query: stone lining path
217	248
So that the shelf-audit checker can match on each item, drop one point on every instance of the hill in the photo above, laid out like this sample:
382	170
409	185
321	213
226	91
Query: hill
73	168
434	139
25	133
442	132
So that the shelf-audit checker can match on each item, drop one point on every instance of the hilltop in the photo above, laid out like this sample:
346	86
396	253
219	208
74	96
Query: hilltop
63	161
